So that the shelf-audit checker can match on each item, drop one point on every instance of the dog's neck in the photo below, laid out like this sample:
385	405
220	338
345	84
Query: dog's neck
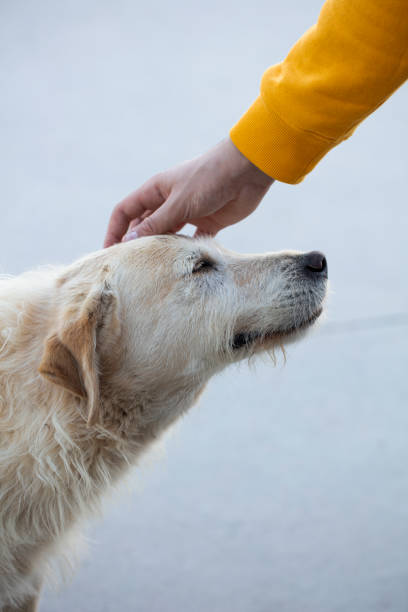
138	418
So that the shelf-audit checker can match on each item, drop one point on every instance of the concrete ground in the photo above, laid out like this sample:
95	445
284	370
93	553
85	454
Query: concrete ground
286	489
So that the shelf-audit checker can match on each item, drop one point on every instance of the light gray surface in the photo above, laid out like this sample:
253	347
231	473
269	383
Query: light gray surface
286	489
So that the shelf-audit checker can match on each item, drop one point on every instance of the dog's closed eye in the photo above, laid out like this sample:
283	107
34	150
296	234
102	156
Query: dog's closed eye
203	265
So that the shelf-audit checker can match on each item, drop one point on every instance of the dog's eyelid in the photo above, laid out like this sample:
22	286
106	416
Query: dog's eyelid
204	264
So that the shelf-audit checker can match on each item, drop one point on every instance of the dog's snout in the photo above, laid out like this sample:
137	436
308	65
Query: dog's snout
315	263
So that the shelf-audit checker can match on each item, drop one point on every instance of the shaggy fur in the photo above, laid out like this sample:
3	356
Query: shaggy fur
98	358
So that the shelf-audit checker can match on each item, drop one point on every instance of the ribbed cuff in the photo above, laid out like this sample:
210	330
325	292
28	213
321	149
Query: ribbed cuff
284	153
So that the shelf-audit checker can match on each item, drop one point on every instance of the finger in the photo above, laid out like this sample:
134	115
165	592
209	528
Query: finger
165	219
206	227
177	228
133	224
135	205
118	224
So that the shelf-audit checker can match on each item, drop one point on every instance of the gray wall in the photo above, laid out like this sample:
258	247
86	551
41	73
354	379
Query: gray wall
286	489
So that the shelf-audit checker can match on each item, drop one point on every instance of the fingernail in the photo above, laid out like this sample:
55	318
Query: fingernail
130	236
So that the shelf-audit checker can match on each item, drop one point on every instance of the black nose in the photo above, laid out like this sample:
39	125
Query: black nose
315	262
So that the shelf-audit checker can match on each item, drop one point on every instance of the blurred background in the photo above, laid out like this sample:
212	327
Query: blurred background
286	488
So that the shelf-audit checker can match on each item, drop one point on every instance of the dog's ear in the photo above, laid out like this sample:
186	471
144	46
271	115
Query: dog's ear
70	357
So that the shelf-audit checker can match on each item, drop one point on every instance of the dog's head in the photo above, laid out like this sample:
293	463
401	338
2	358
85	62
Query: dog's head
162	314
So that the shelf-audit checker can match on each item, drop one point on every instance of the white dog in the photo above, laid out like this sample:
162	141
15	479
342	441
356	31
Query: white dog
98	358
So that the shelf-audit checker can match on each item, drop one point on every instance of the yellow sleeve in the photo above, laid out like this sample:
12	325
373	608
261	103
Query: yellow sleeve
340	71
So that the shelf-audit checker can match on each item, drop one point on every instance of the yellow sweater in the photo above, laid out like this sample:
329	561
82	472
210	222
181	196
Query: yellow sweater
339	72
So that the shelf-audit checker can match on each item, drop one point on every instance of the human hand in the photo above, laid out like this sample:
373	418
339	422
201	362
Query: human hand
212	191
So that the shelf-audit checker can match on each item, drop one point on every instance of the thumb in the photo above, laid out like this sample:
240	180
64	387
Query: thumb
161	221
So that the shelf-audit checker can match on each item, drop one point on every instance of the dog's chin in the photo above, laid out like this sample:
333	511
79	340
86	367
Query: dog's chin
262	340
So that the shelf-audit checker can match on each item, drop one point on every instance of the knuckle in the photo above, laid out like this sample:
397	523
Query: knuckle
156	178
149	226
118	211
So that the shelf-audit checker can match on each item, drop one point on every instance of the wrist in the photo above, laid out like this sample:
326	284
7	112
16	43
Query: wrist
244	167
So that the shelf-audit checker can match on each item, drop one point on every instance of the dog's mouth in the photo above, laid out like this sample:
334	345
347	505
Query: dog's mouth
247	339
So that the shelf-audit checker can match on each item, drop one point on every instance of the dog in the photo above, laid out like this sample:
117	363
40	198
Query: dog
98	358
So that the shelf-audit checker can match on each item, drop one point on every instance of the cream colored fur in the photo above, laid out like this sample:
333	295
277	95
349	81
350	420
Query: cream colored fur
98	358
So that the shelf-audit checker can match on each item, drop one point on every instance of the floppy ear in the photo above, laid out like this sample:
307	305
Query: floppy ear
70	357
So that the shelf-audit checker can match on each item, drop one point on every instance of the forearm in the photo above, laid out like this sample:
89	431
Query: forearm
339	72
